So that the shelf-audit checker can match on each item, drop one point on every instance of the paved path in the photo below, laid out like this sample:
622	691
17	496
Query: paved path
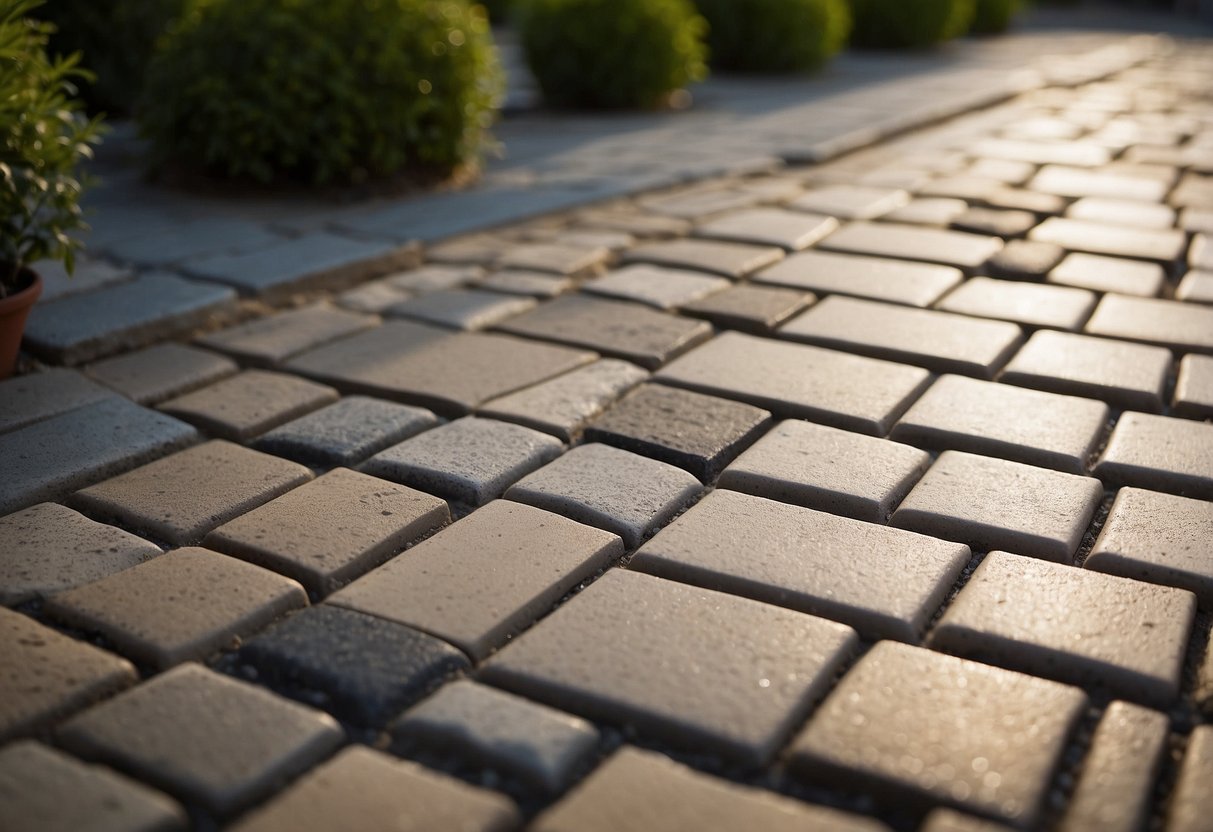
869	495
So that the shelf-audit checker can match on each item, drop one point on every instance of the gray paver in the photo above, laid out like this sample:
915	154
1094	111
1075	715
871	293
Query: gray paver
790	230
203	737
557	258
1160	453
1163	246
1109	274
27	399
529	283
173	243
733	260
249	403
346	432
656	286
1194	389
271	340
754	309
907	242
912	284
1061	307
851	202
461	308
682	663
1180	326
151	375
485	578
182	497
89	274
1192	800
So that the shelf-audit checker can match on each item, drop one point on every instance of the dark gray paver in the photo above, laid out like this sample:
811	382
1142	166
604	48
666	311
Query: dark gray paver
1061	307
1180	326
908	242
1192	800
461	308
1109	274
1194	389
151	375
807	560
47	548
995	222
91	325
182	497
27	399
754	309
203	737
107	438
492	729
656	286
733	260
271	340
249	403
851	202
1160	453
682	663
332	529
790	230
1163	246
346	432
912	284
362	668
172	243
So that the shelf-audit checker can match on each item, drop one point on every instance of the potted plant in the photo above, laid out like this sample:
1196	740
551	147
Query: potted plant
43	137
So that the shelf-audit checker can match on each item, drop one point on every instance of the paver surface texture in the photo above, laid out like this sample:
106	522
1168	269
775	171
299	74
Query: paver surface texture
835	455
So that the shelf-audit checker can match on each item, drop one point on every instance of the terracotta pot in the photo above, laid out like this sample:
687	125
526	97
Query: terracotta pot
13	311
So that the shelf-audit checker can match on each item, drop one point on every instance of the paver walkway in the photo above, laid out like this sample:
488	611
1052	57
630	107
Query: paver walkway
869	495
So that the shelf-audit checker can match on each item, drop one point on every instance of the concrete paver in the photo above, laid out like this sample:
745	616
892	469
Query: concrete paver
1194	389
1182	327
1192	801
912	284
1160	453
25	400
1109	274
151	375
346	432
790	230
1026	260
851	202
732	260
271	340
951	248
656	286
467	309
1162	246
754	309
249	403
1060	307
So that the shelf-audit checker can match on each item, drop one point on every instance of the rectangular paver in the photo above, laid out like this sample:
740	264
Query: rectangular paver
1194	388
790	230
346	432
1192	800
1180	326
37	396
657	286
1160	453
1060	307
153	374
249	403
1109	274
907	242
895	281
271	340
1163	246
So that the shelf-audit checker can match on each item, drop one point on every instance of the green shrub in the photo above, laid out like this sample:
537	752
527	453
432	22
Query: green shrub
993	16
612	53
915	24
498	10
323	91
775	35
43	137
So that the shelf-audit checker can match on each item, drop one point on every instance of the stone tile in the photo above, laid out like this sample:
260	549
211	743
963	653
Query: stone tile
698	201
1116	785
1192	800
47	790
250	403
487	577
90	274
937	211
806	560
935	340
912	284
613	240
1120	373
80	328
698	433
269	341
530	284
1026	260
182	497
1017	726
32	398
1024	614
557	258
795	381
908	242
491	729
1194	390
948	820
1196	287
645	226
430	367
996	504
623	330
1004	170
1193	192
995	222
1016	199
461	308
1077	182
828	469
362	668
656	286
1160	453
371	298
755	309
851	202
683	664
46	676
470	250
1061	307
1049	129
205	738
1077	154
734	260
1180	326
172	243
468	461
645	790
1030	426
564	405
154	374
107	438
1164	246
1122	212
963	187
1197	220
346	432
1110	274
48	548
381	792
433	277
790	230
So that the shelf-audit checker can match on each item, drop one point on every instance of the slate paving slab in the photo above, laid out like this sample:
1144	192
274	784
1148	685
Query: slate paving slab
1060	307
656	286
172	244
27	399
732	260
269	341
912	284
248	404
1194	388
1160	453
907	242
346	432
154	374
1109	274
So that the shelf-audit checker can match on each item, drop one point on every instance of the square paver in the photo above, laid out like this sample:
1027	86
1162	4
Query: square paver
271	340
1160	453
691	666
1179	326
461	308
485	578
1061	307
1163	246
806	560
37	396
851	202
1194	389
249	404
733	260
203	737
755	309
895	281
346	432
790	230
151	375
996	504
1109	274
908	242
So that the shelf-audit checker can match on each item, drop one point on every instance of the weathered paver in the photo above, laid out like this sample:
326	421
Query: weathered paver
964	414
912	284
984	739
484	727
695	667
907	242
47	548
1160	453
995	222
1119	211
470	461
793	380
182	497
25	400
1078	154
151	375
1192	800
485	578
1179	326
362	668
1079	182
1194	389
936	340
435	276
250	403
996	504
754	309
467	309
790	230
558	258
45	676
371	298
806	560
203	737
733	260
1072	625
529	283
47	790
174	243
1061	307
1026	260
828	469
1109	274
644	790
638	223
937	211
851	202
376	791
269	341
656	286
1163	246
346	432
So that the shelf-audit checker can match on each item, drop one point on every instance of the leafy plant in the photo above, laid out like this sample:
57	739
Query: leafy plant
612	53
913	24
993	16
322	91
775	35
43	137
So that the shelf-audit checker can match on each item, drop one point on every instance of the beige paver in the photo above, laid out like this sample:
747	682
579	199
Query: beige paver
151	375
790	230
1109	274
657	286
1164	246
558	258
749	308
270	340
949	820
1191	803
1160	453
733	260
851	202
908	242
895	281
1119	211
1196	287
465	309
1079	182
1078	154
249	404
1061	307
1185	327
1194	389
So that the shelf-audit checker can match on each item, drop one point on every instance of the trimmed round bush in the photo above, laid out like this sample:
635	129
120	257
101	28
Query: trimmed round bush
912	24
323	91
612	53
993	16
775	35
